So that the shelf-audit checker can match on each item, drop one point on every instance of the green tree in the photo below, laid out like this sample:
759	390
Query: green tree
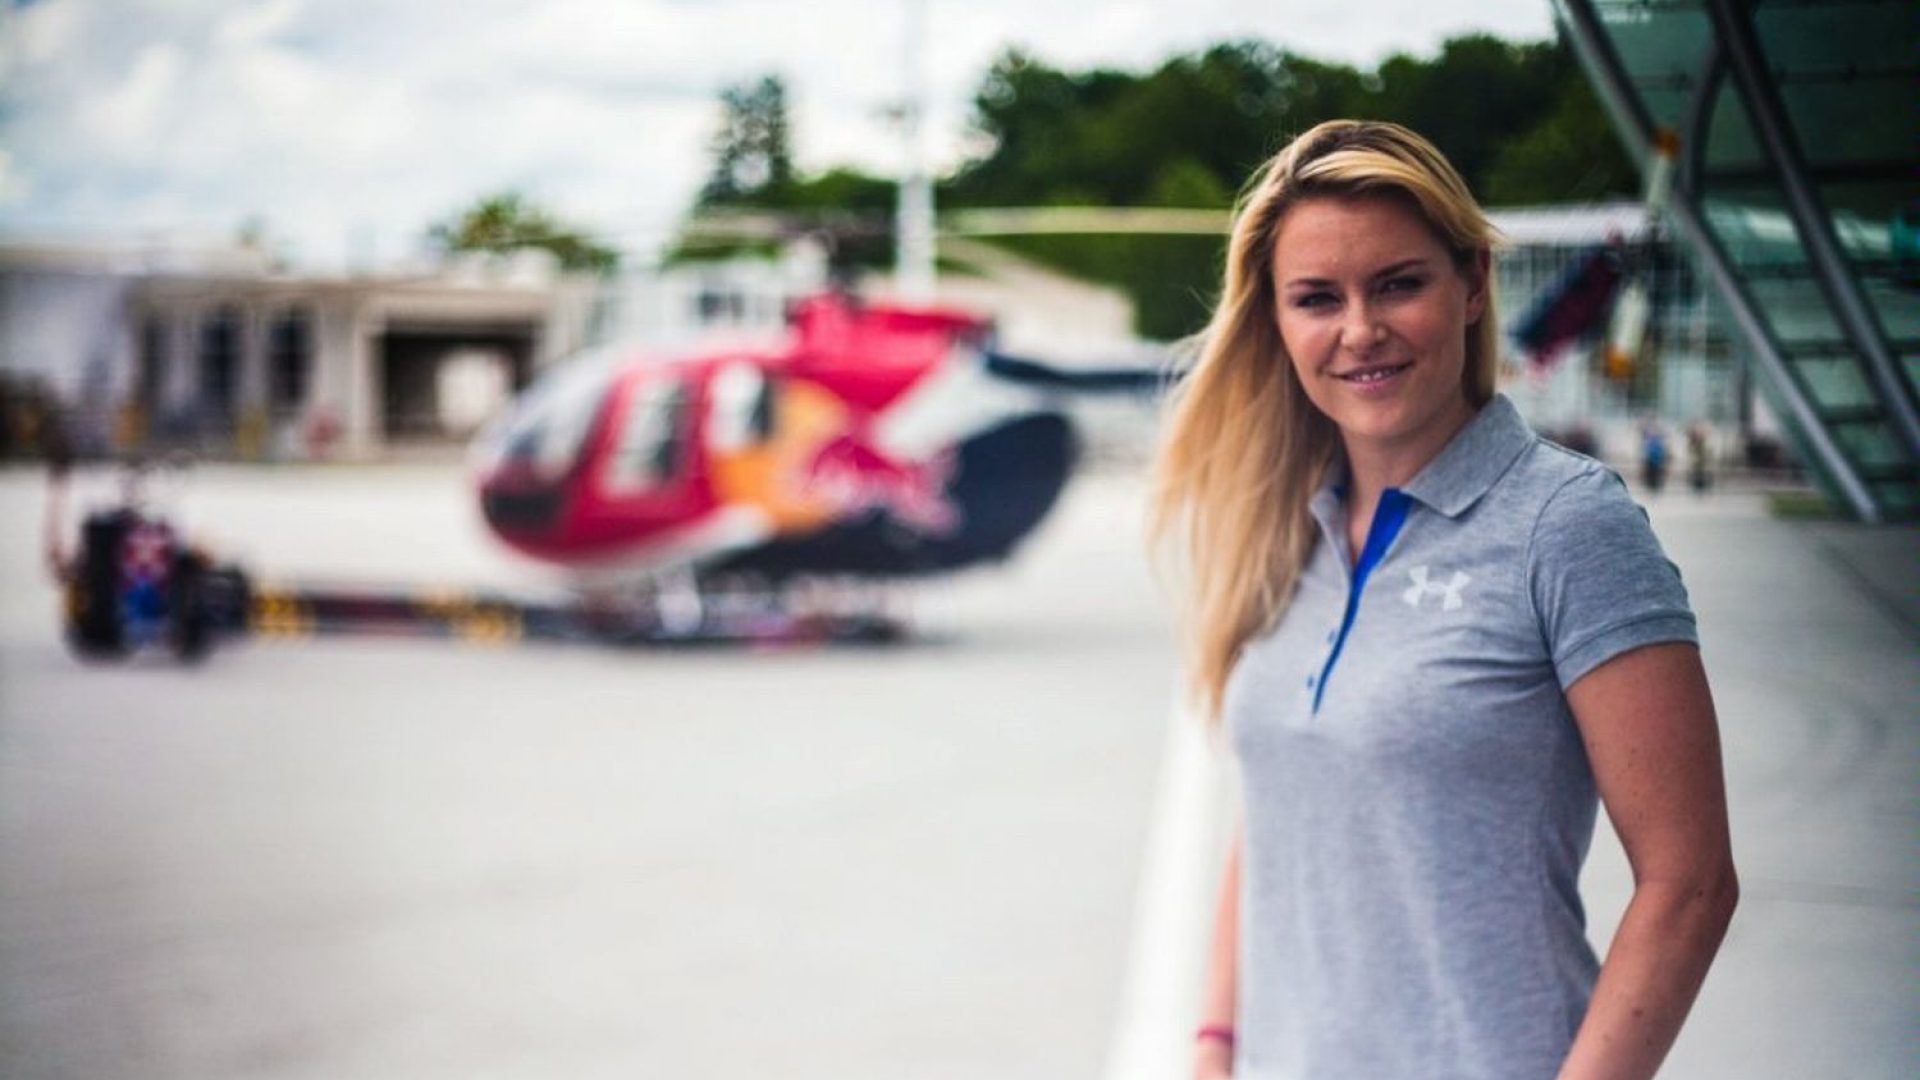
1515	117
1479	92
752	171
505	221
1571	154
1051	137
1511	116
752	158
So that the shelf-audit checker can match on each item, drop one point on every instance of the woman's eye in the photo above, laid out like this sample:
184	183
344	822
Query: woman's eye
1403	284
1313	300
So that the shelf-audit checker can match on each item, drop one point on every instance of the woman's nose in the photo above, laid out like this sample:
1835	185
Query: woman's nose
1361	330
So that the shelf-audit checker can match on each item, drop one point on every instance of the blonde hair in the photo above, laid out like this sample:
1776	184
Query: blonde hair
1244	449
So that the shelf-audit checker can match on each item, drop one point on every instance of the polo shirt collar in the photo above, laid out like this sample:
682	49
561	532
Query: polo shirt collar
1465	469
1328	505
1478	455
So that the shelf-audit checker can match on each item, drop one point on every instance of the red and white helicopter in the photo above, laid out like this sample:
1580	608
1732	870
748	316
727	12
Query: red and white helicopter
874	442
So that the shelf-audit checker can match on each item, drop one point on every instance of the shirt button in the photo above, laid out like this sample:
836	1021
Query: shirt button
1331	634
1310	682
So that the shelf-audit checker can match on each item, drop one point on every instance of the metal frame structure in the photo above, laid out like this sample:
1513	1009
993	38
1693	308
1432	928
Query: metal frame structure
1733	55
1768	114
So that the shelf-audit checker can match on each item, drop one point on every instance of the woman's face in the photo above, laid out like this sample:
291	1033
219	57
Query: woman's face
1374	314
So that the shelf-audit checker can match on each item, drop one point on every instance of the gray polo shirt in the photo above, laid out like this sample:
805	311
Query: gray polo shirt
1417	798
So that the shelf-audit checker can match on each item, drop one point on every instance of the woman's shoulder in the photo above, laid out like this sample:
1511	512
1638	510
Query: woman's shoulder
1550	479
1600	581
1577	505
1554	460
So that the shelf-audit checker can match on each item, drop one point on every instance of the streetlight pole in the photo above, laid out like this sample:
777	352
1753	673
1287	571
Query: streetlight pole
913	218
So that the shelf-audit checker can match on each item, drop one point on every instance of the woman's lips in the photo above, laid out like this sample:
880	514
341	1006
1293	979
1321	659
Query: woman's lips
1371	377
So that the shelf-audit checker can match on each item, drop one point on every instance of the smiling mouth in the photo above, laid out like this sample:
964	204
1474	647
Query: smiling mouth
1366	376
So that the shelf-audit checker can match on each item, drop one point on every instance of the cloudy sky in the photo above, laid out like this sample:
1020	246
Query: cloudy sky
347	126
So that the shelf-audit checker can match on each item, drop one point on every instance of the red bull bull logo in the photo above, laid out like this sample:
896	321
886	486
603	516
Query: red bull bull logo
852	475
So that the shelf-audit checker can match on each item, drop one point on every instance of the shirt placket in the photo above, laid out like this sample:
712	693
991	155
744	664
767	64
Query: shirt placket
1388	519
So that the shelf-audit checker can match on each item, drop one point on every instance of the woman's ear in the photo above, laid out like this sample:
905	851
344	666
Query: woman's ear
1479	275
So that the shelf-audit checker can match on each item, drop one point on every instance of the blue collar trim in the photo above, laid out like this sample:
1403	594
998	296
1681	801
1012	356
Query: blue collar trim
1388	519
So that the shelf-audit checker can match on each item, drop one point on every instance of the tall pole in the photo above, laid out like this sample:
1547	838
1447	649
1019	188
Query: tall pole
913	220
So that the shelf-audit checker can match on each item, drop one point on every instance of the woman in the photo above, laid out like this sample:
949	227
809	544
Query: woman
1436	642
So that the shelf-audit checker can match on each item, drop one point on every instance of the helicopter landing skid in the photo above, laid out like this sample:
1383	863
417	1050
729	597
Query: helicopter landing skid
708	616
742	611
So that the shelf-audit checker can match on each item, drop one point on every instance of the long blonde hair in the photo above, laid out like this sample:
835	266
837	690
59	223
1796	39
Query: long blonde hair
1244	449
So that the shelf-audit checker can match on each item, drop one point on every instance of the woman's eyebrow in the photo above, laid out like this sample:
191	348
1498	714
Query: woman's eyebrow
1401	267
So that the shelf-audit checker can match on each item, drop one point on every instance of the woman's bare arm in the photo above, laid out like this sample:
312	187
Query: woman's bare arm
1647	720
1213	1058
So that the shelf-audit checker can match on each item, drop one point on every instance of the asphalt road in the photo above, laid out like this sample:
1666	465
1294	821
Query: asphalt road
378	858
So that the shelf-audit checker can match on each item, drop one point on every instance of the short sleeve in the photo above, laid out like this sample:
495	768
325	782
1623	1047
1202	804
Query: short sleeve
1601	584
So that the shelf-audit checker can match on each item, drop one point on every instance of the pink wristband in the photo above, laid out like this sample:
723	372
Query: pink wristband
1217	1032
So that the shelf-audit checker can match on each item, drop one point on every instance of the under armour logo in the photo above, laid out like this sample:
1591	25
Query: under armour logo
1422	588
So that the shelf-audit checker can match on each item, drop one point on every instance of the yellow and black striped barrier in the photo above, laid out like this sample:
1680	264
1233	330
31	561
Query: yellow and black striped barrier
304	612
278	613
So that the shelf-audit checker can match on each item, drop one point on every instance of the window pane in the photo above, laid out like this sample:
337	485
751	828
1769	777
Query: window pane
219	361
1752	223
1836	382
1868	34
1900	499
1871	445
1846	73
1731	145
1662	44
151	382
289	351
1876	231
647	453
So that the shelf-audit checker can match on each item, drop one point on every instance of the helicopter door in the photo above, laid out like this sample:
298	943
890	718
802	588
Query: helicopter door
649	455
742	416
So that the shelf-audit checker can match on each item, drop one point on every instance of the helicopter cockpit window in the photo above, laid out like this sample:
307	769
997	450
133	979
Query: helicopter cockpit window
548	427
648	451
742	414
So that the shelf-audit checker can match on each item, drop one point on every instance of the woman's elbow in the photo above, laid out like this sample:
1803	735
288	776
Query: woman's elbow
1711	900
1696	906
1724	894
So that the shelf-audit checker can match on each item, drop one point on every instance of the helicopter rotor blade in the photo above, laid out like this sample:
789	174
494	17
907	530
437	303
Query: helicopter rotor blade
1141	380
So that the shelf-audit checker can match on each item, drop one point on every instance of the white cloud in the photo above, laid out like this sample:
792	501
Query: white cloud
256	23
334	118
46	30
130	119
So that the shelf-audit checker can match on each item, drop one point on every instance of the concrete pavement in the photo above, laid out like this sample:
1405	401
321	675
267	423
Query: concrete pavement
415	859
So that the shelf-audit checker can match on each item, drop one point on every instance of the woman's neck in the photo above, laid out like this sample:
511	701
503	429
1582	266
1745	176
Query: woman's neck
1373	466
1376	465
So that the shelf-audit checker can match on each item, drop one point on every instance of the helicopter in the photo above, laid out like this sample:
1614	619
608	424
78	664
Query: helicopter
875	442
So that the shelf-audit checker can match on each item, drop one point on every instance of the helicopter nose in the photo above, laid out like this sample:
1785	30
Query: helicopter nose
520	508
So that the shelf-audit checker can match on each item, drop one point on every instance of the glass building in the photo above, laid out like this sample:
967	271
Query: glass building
1798	189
